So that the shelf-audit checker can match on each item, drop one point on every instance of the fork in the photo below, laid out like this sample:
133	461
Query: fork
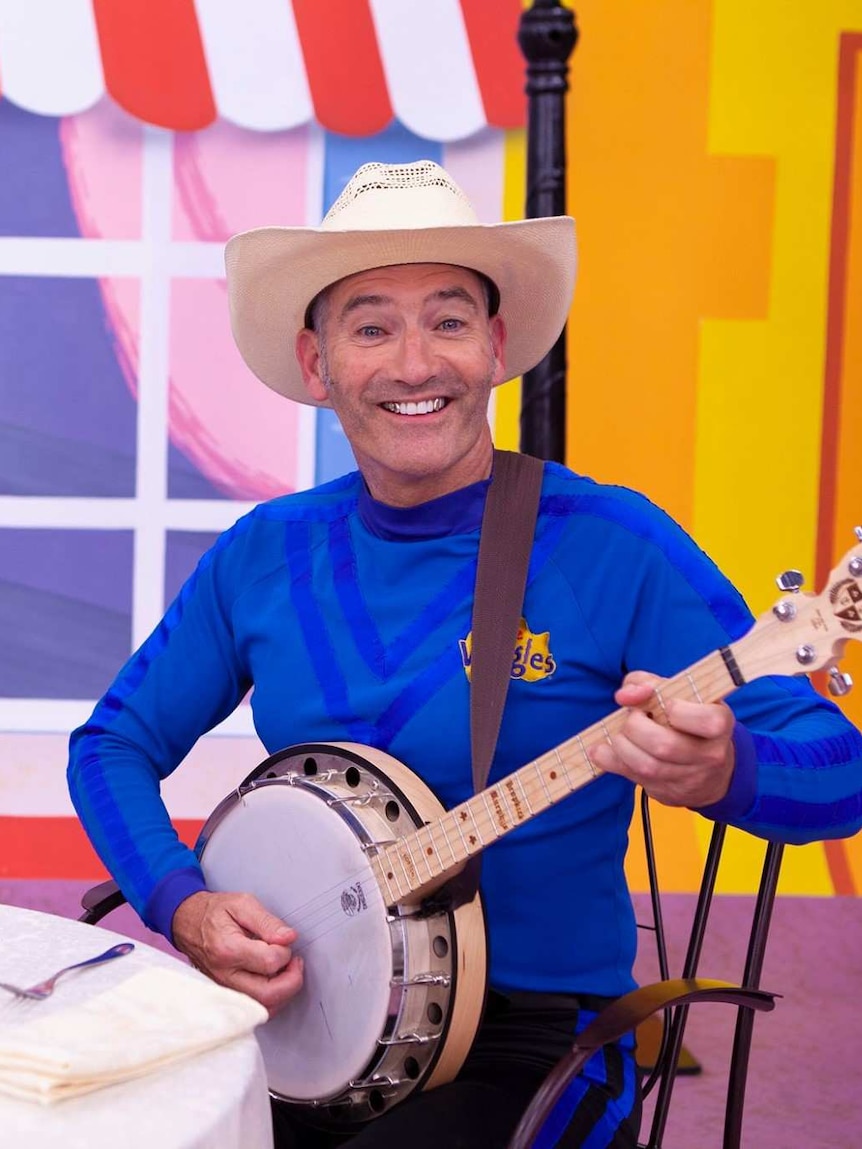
45	988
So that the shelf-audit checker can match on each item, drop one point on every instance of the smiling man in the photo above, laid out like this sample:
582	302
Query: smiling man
348	609
407	357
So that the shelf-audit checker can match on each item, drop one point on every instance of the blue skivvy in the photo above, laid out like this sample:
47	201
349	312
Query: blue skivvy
351	621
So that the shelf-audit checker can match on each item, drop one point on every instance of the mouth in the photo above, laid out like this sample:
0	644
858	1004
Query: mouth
421	407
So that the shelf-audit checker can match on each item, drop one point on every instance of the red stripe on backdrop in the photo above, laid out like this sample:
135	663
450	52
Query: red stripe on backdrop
500	66
154	61
848	61
342	60
59	848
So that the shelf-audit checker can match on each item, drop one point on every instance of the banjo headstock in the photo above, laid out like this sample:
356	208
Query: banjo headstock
805	632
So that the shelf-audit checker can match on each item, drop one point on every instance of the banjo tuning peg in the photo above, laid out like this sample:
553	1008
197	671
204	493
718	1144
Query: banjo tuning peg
790	581
839	683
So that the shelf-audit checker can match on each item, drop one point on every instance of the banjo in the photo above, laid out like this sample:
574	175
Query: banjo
349	847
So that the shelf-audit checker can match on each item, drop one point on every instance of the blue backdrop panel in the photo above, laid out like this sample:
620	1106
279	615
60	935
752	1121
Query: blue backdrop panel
182	551
185	481
65	611
67	418
34	193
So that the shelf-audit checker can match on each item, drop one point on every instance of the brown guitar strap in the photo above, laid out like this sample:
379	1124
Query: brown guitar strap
508	527
505	544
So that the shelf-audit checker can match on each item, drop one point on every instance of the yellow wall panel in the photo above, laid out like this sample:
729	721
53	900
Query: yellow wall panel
702	146
507	399
655	213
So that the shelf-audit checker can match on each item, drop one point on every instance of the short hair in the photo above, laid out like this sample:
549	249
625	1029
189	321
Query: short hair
315	313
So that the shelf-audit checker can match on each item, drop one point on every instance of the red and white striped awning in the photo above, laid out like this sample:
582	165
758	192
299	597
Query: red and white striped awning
444	68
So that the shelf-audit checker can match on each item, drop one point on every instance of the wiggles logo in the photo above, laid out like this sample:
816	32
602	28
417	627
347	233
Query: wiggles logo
532	655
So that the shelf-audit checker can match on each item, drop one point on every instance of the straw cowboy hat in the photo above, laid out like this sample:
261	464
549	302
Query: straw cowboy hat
394	214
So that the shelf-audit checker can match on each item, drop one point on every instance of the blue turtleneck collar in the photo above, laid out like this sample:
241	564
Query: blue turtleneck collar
457	513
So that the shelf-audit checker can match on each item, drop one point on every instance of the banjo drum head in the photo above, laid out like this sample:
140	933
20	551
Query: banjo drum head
302	860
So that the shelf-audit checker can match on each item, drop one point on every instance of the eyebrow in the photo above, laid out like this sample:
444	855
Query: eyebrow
445	293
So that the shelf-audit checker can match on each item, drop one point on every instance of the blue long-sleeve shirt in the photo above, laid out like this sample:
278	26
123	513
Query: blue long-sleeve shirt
351	621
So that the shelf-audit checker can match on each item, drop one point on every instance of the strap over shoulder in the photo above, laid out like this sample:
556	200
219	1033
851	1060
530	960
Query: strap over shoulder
508	528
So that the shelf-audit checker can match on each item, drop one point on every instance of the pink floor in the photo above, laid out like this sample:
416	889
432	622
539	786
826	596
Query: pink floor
805	1079
805	1082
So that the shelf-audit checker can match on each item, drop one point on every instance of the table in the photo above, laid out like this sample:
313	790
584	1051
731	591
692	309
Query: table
216	1100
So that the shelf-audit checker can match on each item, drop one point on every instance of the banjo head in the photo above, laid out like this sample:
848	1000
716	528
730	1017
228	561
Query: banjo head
381	1011
284	845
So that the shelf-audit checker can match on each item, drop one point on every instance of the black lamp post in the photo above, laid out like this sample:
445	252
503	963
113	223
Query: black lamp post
547	35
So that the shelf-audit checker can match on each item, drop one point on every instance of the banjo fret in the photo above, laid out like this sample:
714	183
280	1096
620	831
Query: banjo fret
499	826
457	823
541	776
382	875
442	825
424	840
510	781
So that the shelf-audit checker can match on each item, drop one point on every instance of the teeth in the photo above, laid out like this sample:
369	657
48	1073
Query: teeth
425	407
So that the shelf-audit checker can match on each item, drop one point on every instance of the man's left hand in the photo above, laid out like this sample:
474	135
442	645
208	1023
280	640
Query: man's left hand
684	758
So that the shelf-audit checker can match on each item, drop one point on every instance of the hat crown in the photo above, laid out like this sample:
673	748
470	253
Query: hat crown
383	197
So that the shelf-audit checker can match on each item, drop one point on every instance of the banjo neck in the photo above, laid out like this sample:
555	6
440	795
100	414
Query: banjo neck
802	632
419	863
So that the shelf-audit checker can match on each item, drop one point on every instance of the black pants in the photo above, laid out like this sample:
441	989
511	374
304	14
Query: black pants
521	1038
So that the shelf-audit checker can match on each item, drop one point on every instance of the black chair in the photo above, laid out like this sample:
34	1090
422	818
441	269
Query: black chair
672	999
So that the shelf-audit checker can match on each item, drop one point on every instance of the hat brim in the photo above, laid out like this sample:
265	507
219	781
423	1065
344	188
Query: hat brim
273	273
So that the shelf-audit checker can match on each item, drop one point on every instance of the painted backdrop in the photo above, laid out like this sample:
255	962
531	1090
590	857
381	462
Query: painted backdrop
715	170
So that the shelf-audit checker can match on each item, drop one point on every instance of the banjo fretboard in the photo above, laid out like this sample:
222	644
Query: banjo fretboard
420	862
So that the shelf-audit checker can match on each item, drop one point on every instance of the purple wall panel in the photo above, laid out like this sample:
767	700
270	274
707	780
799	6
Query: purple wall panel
67	419
65	611
182	551
34	192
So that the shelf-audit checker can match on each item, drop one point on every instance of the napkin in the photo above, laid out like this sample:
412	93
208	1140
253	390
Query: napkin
148	1021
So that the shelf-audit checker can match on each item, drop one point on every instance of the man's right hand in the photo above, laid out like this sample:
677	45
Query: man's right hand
237	942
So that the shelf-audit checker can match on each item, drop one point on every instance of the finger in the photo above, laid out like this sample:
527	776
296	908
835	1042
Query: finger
262	958
272	992
703	720
248	913
664	744
635	761
635	693
669	783
217	931
232	948
640	678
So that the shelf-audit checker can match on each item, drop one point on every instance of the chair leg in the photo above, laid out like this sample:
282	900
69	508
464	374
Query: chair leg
751	977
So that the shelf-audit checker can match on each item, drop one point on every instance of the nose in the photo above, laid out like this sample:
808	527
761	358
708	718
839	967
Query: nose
415	361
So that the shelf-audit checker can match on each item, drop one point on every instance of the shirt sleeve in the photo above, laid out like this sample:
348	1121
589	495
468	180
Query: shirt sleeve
798	774
184	680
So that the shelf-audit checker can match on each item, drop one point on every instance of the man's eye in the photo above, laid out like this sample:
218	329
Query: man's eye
451	324
370	331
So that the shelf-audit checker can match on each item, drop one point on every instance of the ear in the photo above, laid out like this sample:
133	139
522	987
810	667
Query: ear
308	357
498	346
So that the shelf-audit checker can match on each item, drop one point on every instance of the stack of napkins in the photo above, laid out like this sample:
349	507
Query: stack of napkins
152	1019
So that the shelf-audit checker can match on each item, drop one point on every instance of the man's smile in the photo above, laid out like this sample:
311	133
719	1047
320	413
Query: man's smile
422	407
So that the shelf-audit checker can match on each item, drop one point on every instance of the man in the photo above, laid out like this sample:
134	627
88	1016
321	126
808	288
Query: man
348	608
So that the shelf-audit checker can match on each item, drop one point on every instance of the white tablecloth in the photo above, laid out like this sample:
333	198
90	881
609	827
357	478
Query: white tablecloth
217	1100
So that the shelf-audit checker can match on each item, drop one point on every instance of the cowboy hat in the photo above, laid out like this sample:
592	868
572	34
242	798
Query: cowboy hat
395	214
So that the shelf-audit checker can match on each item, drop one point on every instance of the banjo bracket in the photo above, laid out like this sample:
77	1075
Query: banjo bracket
352	800
376	1082
423	979
409	1039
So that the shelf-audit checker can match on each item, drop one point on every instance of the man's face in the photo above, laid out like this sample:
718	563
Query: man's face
407	356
